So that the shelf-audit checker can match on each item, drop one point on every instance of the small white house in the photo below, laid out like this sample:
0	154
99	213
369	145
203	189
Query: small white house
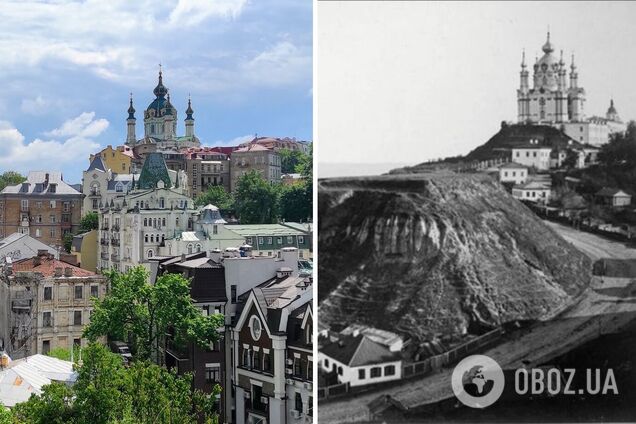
533	191
513	172
358	360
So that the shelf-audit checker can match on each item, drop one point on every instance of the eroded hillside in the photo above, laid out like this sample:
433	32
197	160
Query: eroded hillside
438	254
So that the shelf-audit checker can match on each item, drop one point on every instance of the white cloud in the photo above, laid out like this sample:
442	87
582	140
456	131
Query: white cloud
76	145
82	126
233	142
281	64
193	12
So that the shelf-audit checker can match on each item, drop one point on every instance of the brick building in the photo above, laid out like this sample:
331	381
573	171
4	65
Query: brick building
44	207
258	158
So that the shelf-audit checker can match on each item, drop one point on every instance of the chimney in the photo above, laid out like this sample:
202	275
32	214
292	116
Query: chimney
183	257
58	271
37	261
68	271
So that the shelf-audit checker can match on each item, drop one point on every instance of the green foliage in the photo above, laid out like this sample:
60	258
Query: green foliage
6	417
289	159
53	406
257	201
65	354
89	222
305	165
217	196
296	202
9	178
108	392
141	313
67	242
571	159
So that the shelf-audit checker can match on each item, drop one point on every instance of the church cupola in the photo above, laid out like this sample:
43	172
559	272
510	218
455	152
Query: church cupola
160	117
160	90
189	121
131	137
612	113
548	47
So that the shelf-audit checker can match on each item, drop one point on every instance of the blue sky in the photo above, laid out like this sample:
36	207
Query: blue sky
68	68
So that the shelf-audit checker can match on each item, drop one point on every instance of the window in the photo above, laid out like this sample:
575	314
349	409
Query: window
248	240
79	292
340	371
145	222
389	370
25	204
256	360
198	247
150	253
310	406
290	239
46	346
301	239
52	232
212	374
246	358
162	202
77	317
260	240
327	363
255	327
66	206
189	248
52	219
119	188
233	293
362	374
47	320
269	240
310	370
94	291
38	205
298	402
146	238
38	232
298	367
279	240
215	229
267	365
376	372
52	204
48	293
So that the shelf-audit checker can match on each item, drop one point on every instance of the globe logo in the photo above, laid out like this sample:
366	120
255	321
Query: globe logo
478	381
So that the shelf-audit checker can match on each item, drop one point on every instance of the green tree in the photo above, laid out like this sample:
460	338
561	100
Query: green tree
67	242
289	159
89	222
305	165
65	354
217	196
53	406
296	202
142	313
6	417
10	178
571	159
108	392
257	201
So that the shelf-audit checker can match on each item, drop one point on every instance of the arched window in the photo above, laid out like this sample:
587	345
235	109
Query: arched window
163	237
145	222
146	238
150	253
162	202
198	247
152	238
163	222
177	221
189	247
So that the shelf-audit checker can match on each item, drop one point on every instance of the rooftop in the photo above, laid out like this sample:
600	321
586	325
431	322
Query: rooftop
46	264
359	350
42	182
272	230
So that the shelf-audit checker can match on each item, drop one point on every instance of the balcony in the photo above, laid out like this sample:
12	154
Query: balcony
257	405
114	257
104	227
114	242
94	193
115	228
66	224
178	352
104	242
104	255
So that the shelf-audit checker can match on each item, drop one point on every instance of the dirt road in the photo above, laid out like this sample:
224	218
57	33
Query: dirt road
607	305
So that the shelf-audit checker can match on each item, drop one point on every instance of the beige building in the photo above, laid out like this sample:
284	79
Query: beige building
276	143
46	304
44	207
84	248
206	168
118	160
255	157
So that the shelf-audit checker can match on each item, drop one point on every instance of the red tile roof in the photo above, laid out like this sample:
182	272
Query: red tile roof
47	267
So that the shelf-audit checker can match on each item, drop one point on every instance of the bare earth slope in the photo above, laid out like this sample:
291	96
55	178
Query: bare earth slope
437	254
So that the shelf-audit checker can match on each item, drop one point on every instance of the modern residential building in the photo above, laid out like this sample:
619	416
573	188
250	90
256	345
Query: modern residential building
44	207
46	304
19	246
267	239
552	100
219	282
255	157
273	353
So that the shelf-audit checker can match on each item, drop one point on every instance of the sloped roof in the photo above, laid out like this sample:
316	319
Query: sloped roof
34	184
47	267
359	350
153	171
273	230
512	165
97	164
210	214
611	192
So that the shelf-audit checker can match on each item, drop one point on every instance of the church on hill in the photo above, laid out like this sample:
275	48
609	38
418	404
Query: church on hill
160	122
553	100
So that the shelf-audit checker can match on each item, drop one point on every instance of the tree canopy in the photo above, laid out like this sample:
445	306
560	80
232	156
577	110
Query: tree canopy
141	313
217	196
11	178
89	222
289	159
257	200
108	392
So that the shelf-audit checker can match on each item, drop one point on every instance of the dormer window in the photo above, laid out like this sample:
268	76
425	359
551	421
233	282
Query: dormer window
119	188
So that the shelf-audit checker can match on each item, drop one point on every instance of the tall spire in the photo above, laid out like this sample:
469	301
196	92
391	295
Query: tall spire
573	66
189	110
523	58
160	90
131	109
547	47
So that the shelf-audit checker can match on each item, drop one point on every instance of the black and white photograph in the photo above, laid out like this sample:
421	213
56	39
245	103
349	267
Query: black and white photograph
476	215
